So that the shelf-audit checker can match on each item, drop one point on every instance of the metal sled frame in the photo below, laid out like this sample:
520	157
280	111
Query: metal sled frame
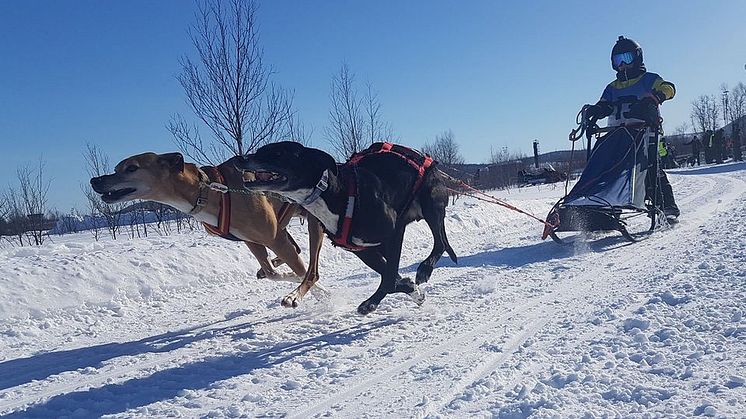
605	216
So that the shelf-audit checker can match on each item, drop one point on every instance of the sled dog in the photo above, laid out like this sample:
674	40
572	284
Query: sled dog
363	205
253	218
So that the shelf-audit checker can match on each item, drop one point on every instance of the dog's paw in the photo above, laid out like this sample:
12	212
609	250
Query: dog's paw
405	285
423	273
277	262
418	296
367	307
260	274
291	300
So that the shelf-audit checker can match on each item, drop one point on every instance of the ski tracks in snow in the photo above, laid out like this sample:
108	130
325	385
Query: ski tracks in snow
524	320
435	360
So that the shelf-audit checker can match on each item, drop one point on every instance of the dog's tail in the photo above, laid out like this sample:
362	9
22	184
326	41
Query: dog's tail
451	253
449	249
453	185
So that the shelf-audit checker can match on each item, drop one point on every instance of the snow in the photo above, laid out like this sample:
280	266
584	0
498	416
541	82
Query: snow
179	325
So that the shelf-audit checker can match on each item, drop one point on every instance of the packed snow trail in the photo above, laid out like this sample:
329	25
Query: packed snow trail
177	325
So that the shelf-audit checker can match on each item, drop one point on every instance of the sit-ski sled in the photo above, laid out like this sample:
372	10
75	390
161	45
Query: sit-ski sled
612	188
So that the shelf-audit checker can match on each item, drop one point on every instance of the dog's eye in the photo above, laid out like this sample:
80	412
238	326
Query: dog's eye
131	168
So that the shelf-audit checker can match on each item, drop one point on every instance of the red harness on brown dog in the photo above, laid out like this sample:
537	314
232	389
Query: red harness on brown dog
350	170
223	229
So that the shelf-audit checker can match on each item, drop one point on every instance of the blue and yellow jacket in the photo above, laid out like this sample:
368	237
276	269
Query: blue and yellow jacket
620	94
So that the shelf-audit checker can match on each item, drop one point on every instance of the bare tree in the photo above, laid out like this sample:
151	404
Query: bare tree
737	102
5	230
184	221
228	86
705	112
503	169
93	204
144	220
375	127
346	121
445	149
135	218
298	132
163	215
354	122
682	129
17	222
504	155
97	164
4	207
33	189
189	141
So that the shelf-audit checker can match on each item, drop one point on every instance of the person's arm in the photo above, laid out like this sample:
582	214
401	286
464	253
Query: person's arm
603	107
646	108
663	90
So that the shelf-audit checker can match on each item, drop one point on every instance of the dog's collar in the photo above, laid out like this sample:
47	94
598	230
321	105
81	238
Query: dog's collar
318	189
204	189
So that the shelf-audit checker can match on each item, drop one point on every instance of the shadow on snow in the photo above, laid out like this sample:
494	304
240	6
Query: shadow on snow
167	384
543	251
712	170
38	367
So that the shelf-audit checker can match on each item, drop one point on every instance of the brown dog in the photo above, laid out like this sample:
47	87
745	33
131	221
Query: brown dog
165	178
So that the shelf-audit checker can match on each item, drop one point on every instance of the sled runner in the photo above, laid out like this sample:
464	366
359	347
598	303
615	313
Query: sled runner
612	188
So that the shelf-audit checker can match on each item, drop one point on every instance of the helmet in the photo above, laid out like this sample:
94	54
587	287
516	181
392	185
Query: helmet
626	51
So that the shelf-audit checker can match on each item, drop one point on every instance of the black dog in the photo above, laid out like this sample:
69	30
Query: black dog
364	205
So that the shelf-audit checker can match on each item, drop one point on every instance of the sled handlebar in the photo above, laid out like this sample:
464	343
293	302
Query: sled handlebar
588	127
634	125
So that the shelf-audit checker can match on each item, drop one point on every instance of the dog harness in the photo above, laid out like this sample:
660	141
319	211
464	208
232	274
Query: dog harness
349	171
223	229
212	178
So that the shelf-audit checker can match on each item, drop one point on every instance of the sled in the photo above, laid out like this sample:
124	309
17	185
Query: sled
540	176
612	188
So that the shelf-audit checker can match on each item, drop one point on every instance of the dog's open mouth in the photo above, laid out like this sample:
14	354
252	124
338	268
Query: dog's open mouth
262	176
116	195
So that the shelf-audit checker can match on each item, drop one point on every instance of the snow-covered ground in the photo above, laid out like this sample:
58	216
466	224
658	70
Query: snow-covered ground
179	326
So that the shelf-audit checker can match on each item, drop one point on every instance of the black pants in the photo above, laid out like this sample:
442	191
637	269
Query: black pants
665	199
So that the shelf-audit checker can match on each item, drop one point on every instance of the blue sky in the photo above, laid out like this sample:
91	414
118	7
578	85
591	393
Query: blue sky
495	73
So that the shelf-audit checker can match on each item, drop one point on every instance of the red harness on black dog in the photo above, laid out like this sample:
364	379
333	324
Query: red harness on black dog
410	156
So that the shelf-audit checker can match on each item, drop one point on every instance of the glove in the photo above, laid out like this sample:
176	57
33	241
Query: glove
647	110
660	96
599	111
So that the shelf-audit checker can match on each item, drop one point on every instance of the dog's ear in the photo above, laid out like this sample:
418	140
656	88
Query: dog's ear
174	161
323	160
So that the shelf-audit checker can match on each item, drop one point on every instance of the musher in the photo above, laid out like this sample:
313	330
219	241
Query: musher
635	95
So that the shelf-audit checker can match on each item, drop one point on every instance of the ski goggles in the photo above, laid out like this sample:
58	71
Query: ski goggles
623	58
